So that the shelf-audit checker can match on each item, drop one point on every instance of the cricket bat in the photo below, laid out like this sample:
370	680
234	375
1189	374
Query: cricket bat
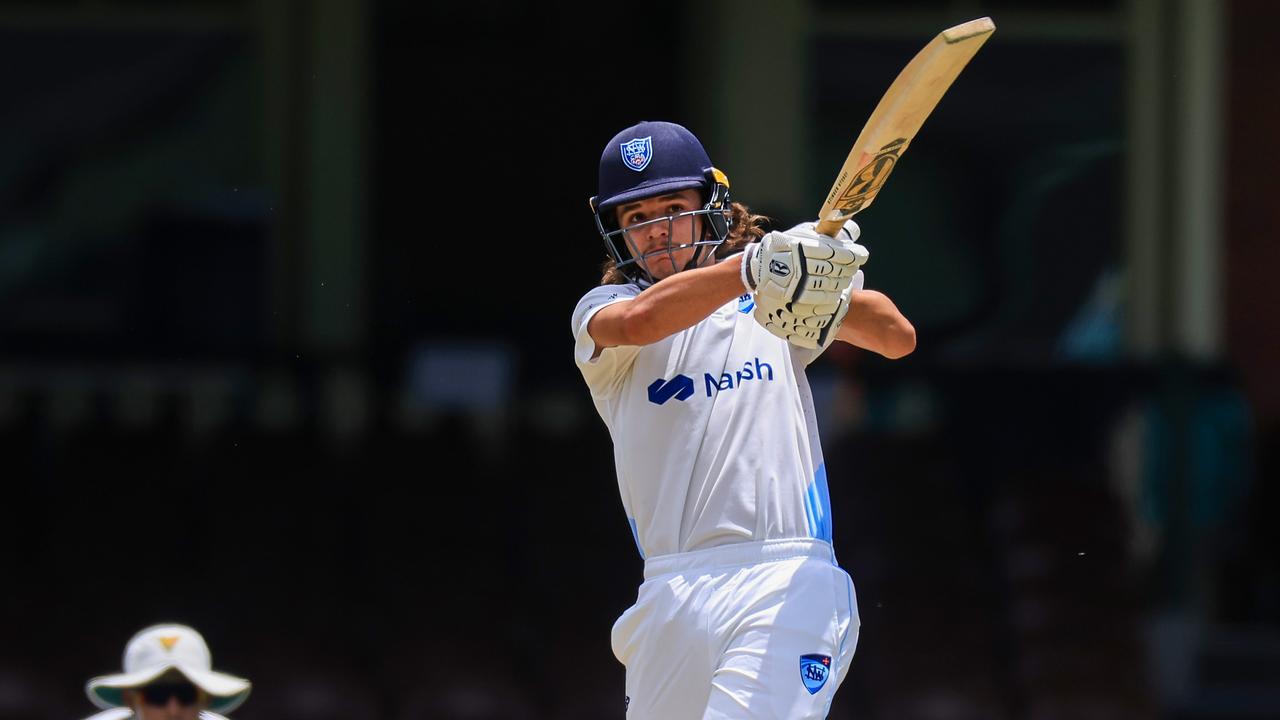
897	119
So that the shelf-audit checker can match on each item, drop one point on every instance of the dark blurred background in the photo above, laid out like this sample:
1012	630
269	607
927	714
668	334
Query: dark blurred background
285	352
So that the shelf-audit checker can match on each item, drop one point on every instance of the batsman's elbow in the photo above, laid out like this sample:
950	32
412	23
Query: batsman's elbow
901	341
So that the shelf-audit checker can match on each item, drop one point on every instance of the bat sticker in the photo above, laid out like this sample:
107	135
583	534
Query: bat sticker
869	179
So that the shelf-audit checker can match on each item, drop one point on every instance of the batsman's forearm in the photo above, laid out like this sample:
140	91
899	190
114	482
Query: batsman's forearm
682	301
874	323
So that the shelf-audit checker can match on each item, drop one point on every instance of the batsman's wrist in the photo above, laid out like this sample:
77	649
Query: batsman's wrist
747	254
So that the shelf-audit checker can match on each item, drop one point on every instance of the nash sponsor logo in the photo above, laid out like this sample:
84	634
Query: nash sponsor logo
678	387
751	370
814	670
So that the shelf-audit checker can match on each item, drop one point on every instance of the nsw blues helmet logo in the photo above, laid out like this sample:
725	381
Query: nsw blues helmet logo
637	153
814	670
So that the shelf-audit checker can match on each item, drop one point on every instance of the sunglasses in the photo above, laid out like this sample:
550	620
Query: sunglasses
158	695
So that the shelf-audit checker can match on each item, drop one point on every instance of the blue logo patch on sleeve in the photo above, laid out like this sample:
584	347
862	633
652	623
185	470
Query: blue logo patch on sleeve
814	670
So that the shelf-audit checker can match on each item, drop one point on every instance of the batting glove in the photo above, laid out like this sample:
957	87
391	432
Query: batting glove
804	325
802	266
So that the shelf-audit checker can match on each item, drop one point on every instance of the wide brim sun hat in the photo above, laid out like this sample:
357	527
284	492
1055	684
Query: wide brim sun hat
169	648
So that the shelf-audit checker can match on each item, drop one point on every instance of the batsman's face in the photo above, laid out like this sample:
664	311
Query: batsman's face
658	233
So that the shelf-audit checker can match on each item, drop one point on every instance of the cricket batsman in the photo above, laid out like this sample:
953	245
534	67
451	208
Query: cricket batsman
694	348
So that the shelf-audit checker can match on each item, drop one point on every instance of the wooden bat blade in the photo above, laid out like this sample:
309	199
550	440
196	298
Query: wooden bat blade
897	118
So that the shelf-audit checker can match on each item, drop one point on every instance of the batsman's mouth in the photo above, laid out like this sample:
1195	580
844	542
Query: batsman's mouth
665	251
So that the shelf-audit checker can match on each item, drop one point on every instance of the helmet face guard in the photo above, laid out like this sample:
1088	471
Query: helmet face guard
649	160
703	230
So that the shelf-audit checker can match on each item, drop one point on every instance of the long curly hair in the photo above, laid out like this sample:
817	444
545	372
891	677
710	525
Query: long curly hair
746	227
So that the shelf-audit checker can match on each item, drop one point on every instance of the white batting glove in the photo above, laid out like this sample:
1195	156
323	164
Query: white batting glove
802	266
846	255
803	325
819	300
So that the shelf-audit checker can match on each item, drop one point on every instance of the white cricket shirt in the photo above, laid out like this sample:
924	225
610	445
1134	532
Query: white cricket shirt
714	435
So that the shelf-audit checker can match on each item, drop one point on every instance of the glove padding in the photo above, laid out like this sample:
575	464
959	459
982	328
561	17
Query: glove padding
820	302
802	266
810	326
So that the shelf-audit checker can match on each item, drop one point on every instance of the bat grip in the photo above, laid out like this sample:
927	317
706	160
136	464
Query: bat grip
832	225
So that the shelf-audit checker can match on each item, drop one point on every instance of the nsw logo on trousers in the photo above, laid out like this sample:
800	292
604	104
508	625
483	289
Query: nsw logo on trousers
814	670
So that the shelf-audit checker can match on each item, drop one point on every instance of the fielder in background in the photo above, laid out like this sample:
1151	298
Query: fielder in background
168	675
694	348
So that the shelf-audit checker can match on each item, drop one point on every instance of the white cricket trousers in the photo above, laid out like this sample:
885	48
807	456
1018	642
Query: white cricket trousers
752	630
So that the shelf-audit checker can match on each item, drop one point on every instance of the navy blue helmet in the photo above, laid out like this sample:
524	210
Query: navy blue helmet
651	159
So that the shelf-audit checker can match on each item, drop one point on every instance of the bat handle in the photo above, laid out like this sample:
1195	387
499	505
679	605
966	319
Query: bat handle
832	224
